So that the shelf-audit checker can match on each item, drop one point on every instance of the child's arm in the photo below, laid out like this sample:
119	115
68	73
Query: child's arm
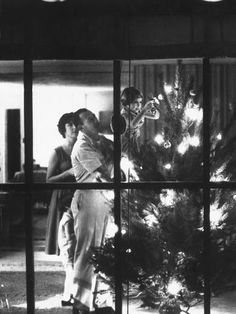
149	111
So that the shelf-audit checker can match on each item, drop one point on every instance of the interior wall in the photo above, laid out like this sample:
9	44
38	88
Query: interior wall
11	98
50	103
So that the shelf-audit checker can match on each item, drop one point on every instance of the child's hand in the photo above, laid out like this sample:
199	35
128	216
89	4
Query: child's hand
150	109
148	106
151	104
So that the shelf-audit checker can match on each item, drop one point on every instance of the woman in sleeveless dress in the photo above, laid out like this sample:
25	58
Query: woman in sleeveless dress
60	234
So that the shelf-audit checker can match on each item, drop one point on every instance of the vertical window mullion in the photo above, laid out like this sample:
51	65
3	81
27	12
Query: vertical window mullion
206	178
117	202
28	129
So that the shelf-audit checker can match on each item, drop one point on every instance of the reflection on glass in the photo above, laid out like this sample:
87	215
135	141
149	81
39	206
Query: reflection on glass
223	99
161	119
11	120
61	87
12	253
61	253
162	247
223	249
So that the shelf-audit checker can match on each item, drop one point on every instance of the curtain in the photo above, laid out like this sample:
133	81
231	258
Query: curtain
223	105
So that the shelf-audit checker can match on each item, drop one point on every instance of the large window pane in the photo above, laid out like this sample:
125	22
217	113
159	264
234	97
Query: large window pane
49	271
61	87
11	121
223	100
161	251
12	253
223	250
167	143
163	243
54	270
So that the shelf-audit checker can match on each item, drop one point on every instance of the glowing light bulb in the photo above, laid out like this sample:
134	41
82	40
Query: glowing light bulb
194	114
174	287
212	0
53	0
183	147
128	251
159	139
168	88
123	231
167	197
167	166
194	141
160	97
217	215
219	136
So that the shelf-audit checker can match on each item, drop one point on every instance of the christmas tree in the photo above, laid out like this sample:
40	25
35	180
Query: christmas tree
223	214
162	230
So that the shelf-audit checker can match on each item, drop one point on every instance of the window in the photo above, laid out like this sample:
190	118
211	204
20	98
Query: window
174	198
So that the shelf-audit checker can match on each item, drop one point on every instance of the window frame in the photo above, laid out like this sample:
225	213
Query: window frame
29	187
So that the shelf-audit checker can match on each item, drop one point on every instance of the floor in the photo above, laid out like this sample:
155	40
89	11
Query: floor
15	261
12	259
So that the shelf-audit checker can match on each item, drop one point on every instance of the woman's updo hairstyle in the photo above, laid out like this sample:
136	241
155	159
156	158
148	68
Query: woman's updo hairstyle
129	95
65	118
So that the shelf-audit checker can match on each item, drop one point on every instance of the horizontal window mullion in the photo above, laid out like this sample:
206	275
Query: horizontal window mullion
123	185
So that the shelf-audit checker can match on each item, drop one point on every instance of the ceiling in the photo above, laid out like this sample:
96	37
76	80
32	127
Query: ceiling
123	7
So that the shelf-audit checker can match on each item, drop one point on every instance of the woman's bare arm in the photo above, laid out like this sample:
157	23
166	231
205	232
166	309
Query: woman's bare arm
52	171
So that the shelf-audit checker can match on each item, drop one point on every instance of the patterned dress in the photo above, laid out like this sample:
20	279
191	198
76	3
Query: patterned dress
130	138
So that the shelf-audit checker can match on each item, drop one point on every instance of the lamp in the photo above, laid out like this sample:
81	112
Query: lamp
51	1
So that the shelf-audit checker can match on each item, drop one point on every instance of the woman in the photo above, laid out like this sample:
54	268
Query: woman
60	170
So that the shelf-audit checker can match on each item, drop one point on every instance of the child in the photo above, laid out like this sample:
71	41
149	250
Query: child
134	114
66	243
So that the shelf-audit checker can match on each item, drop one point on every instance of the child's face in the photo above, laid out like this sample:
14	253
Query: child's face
136	105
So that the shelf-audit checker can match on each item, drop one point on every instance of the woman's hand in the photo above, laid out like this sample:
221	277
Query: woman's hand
70	171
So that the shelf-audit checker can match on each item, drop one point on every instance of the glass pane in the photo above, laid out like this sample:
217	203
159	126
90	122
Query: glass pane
11	121
72	147
61	87
57	224
223	109
12	253
162	244
49	272
161	120
223	250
